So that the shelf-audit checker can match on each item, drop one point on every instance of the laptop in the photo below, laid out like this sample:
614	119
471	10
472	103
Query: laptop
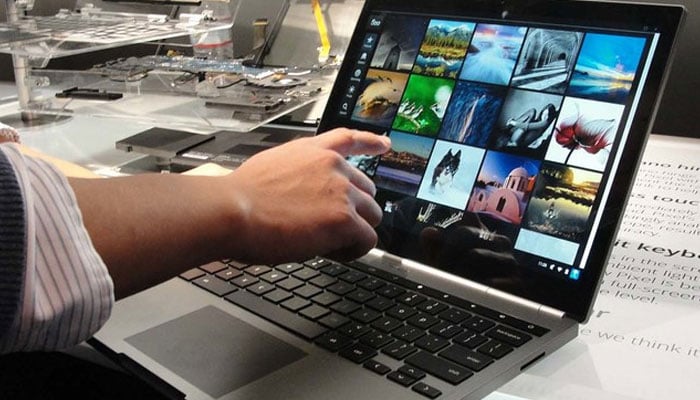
516	130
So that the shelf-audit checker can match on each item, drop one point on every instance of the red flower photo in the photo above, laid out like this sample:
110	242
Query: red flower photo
584	134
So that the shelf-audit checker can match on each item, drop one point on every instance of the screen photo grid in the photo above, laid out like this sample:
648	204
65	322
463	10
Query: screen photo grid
509	123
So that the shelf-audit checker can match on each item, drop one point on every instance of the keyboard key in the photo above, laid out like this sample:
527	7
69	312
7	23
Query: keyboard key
326	299
478	324
358	353
301	326
387	324
277	296
470	339
413	372
399	350
411	299
306	273
317	263
237	265
273	276
352	276
260	288
433	307
290	283
295	303
345	307
390	291
495	349
467	358
244	281
527	327
380	303
289	268
307	291
446	330
507	335
257	270
408	333
228	274
334	320
214	285
334	270
431	343
323	280
360	296
354	330
376	367
333	341
341	288
401	311
192	274
314	311
365	315
376	340
213	267
423	320
401	378
439	367
426	390
371	284
454	315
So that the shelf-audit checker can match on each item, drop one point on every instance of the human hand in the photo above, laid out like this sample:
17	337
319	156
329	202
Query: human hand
8	134
303	199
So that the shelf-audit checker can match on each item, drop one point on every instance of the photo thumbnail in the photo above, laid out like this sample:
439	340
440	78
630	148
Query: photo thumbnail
423	105
547	60
585	133
562	201
399	43
472	113
526	122
380	96
492	55
503	187
401	168
443	49
450	174
606	67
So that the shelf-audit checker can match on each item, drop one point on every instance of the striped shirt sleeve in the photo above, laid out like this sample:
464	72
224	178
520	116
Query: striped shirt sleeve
66	292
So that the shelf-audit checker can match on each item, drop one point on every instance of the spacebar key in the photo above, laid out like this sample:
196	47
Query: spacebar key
299	325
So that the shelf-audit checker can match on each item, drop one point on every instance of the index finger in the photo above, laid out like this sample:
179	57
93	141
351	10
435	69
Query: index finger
353	142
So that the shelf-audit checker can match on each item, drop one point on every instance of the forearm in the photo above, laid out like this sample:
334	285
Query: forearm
148	228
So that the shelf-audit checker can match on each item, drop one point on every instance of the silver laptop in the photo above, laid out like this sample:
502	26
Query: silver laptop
516	130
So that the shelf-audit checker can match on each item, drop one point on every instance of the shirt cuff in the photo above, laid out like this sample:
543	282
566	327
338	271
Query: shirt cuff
67	292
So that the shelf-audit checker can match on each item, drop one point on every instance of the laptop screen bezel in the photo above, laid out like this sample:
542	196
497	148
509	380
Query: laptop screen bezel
660	21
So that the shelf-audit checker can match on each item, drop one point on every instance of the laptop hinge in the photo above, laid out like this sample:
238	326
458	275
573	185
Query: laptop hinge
540	309
398	266
390	261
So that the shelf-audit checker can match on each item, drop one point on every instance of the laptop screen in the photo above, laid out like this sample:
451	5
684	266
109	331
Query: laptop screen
516	128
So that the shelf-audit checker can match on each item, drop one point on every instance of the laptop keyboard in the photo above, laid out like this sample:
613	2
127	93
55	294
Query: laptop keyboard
359	311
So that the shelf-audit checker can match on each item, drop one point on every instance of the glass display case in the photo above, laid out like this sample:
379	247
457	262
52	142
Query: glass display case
172	90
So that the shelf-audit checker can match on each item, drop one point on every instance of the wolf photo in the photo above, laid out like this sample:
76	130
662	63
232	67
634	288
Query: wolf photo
450	174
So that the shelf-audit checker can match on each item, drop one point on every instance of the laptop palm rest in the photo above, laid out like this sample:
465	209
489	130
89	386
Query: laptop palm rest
215	351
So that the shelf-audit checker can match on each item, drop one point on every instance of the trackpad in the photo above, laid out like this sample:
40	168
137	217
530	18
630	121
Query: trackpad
215	351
